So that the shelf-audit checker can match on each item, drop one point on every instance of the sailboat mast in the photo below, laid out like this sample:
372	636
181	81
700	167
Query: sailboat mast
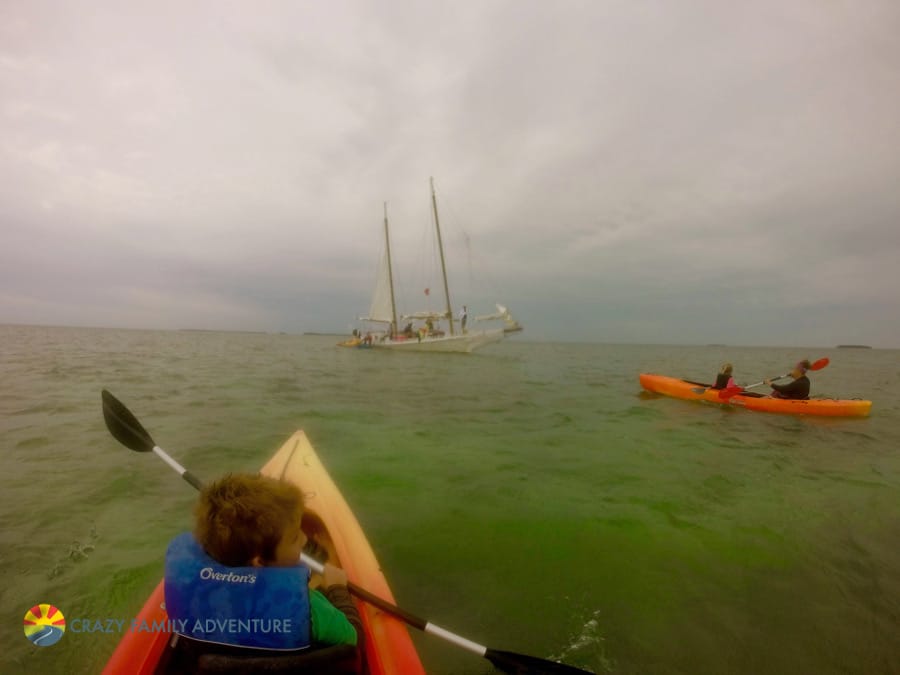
387	242
437	227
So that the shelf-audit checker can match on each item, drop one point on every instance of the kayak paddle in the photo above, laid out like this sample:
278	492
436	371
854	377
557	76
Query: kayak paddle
126	429
729	392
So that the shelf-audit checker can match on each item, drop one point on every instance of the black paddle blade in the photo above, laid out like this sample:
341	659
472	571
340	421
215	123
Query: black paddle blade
124	426
522	664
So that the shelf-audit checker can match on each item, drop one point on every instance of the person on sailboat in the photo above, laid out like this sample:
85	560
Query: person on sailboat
463	315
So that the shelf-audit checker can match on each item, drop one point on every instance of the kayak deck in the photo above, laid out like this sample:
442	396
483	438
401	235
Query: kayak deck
328	521
389	648
823	407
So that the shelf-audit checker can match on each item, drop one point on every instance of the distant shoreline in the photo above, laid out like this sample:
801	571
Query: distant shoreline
525	338
213	330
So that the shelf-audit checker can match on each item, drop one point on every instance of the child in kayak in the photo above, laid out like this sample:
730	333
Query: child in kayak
724	380
237	579
798	388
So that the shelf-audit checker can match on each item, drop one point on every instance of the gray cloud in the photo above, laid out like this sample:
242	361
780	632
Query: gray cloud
654	172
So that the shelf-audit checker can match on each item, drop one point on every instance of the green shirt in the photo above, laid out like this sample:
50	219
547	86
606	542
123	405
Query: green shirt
329	624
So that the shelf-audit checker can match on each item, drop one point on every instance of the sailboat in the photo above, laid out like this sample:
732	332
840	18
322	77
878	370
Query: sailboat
428	335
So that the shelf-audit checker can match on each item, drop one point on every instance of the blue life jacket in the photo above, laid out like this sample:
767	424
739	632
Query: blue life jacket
262	607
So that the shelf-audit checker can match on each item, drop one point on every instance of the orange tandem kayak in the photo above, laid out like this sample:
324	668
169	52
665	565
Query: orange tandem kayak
329	520
685	389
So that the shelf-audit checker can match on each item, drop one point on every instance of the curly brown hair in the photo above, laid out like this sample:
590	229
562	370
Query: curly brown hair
241	516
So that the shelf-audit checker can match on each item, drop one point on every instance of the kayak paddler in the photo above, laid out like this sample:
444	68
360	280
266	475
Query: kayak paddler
236	580
724	380
798	388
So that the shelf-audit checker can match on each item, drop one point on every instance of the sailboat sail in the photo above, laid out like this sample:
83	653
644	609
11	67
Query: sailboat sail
381	308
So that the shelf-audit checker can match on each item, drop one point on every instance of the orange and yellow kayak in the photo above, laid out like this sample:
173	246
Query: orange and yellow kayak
327	519
697	391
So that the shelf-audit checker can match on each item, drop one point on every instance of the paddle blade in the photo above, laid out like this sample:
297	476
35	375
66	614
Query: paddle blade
521	664
730	392
818	365
124	426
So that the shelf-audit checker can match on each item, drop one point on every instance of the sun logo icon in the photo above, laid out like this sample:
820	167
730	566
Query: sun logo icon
44	625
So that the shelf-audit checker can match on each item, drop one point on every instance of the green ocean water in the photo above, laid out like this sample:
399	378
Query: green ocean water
528	497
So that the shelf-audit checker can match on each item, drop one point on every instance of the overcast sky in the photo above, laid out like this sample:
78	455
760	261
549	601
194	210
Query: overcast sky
614	171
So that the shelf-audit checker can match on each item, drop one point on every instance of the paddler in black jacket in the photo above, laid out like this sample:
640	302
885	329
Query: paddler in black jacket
798	388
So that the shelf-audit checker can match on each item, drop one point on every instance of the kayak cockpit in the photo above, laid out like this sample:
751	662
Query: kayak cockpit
186	655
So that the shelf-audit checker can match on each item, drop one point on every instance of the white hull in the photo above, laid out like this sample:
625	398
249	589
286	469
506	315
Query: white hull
465	343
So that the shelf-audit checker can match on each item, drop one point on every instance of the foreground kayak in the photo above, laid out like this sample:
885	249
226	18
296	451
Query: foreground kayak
826	407
329	520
